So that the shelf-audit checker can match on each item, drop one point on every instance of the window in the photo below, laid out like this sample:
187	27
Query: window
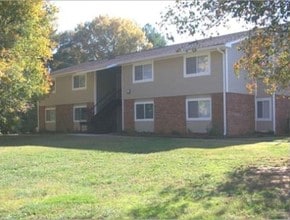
49	115
79	81
143	73
263	109
198	109
196	65
80	113
53	86
144	111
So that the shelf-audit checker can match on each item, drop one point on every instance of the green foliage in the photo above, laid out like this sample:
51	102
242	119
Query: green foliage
102	38
155	38
113	177
25	48
266	50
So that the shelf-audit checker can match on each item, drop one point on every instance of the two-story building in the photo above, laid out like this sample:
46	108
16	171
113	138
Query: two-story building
183	88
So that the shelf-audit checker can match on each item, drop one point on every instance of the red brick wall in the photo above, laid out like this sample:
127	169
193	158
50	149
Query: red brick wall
217	113
282	114
169	114
64	118
129	114
240	114
41	118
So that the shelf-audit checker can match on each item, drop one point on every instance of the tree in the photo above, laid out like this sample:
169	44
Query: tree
25	48
266	49
155	38
102	38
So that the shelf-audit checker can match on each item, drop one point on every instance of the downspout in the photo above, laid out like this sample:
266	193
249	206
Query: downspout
37	107
225	72
274	112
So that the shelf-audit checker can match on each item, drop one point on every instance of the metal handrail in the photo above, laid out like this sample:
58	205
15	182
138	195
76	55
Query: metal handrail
101	104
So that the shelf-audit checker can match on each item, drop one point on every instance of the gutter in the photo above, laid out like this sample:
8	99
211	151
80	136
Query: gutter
37	107
274	112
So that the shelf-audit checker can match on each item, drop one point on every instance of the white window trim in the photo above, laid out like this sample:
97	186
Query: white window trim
49	109
143	80
196	74
199	99
75	107
270	110
54	91
80	88
143	103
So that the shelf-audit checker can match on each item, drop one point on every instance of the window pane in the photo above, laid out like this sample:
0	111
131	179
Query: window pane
193	109
50	115
259	109
76	82
140	111
82	81
77	114
190	65
80	114
138	73
147	71
204	109
266	109
149	111
202	64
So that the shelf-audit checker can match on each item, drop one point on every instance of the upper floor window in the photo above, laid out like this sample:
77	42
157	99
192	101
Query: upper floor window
198	109
197	65
49	115
143	73
80	113
79	81
263	109
144	111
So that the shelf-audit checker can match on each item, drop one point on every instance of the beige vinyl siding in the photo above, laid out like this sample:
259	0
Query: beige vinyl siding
170	81
235	84
66	95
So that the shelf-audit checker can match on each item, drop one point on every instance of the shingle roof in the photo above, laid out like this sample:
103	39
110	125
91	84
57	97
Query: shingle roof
152	53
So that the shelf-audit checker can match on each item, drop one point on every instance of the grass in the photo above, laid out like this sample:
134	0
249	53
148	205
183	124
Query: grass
111	177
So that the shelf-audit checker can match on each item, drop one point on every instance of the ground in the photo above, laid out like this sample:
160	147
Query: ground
118	177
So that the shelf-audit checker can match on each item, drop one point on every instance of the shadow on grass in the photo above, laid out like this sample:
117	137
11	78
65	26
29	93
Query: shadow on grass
254	192
124	144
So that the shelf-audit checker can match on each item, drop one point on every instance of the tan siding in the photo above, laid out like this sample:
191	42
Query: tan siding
169	80
198	126
65	95
235	84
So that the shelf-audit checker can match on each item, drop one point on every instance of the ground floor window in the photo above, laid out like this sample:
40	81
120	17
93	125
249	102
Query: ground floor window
198	109
80	113
263	109
144	111
49	115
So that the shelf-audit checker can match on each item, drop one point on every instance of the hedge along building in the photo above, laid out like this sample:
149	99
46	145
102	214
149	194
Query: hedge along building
183	88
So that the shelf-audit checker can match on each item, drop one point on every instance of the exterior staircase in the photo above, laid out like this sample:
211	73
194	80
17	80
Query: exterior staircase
104	119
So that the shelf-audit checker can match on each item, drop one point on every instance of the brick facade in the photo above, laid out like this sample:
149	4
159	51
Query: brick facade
170	114
217	113
64	118
129	114
240	114
282	114
41	118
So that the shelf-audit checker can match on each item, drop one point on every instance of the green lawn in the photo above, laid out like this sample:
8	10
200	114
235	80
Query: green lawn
97	177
